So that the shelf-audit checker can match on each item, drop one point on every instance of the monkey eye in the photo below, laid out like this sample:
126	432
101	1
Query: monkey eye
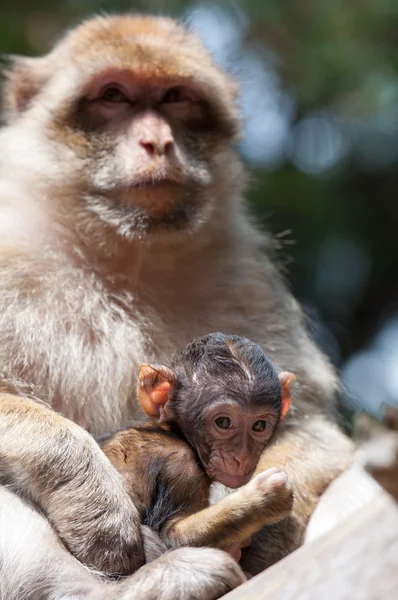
223	422
174	95
113	95
260	425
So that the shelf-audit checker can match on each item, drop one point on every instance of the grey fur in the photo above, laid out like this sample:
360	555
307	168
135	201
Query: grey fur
34	566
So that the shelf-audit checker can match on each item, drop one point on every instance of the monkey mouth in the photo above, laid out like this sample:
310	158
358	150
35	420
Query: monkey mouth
232	481
140	212
148	190
153	184
157	178
161	193
150	205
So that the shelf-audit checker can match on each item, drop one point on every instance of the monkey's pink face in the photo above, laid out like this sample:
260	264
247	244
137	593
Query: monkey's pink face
148	126
234	441
134	120
150	146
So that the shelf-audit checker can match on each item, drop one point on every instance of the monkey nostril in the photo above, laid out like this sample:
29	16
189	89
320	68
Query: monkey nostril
149	147
168	147
157	148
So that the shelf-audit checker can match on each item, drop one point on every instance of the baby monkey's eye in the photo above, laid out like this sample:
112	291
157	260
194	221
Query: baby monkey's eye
223	422
260	425
113	94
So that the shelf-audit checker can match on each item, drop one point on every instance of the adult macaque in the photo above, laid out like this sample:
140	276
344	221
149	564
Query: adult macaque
214	411
123	234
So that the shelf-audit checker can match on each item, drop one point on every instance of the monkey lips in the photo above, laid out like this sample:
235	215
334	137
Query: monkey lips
227	478
231	481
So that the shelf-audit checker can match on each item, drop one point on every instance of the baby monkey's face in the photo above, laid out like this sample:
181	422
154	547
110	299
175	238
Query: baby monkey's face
231	440
227	399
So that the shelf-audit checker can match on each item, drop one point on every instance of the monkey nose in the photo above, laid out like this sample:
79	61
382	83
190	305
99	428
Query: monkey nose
239	462
161	147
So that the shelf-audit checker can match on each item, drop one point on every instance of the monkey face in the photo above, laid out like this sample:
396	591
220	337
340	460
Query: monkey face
138	117
234	441
228	400
157	171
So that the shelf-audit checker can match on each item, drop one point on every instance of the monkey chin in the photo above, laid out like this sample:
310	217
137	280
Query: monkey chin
148	210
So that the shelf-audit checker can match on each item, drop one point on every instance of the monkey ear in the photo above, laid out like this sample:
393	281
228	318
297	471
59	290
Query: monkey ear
286	378
23	78
156	385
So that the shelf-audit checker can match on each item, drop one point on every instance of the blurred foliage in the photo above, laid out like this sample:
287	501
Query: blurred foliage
329	195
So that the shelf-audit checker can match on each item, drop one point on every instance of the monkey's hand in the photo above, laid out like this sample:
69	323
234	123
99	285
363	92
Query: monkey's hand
272	493
183	574
235	550
58	466
266	499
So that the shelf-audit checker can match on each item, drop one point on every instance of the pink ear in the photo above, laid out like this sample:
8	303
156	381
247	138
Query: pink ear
156	384
286	378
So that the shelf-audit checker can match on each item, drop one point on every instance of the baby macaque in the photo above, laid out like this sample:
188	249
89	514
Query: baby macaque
212	414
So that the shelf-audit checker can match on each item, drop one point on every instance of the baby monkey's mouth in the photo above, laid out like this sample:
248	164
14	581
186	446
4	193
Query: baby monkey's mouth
232	481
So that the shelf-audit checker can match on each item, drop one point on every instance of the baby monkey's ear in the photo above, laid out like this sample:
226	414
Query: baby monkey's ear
156	385
286	378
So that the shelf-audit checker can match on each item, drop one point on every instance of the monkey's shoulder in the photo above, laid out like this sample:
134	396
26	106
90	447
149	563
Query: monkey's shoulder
170	450
161	470
150	450
175	478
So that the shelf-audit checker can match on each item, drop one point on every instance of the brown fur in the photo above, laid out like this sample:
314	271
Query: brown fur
154	461
35	566
84	298
39	453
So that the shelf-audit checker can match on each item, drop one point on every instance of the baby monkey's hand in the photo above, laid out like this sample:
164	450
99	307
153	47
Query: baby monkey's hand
274	493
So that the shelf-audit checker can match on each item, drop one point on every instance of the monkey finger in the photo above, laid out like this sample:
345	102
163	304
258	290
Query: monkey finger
235	551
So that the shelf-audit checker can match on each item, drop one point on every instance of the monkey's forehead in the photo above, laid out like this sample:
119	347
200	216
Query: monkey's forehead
152	45
115	30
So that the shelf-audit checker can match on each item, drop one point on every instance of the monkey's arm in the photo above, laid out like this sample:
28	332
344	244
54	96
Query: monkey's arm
265	499
34	565
57	465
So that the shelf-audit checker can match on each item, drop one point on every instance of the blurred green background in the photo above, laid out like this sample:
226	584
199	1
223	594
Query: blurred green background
320	100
